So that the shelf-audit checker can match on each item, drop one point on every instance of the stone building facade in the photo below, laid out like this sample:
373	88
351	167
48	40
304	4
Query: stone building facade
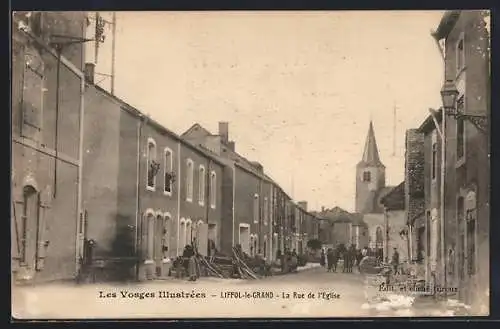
47	114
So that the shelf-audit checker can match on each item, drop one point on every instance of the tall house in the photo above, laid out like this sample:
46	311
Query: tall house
370	176
47	110
467	180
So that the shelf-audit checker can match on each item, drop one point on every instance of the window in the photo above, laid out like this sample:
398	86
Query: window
460	129
460	55
189	180
213	189
434	162
168	171
153	167
201	185
266	211
366	176
256	208
33	86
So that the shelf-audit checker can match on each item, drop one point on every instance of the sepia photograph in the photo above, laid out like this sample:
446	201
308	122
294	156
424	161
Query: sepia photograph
250	164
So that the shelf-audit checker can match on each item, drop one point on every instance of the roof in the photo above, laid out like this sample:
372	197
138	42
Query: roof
446	24
370	153
378	206
339	215
428	124
240	160
395	198
137	113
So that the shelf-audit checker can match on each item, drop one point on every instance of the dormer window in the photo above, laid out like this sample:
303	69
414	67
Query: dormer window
367	176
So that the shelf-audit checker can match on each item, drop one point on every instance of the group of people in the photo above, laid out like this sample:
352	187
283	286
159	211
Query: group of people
353	256
289	260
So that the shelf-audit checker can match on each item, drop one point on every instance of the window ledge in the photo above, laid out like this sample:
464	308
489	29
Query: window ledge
149	262
167	193
212	206
201	203
189	200
150	188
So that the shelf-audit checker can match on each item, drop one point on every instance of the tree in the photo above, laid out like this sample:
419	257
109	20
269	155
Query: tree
314	244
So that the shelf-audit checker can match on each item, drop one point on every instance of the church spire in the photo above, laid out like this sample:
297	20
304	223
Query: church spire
370	153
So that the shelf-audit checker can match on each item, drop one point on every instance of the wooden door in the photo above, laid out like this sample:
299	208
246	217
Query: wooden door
29	228
202	238
159	228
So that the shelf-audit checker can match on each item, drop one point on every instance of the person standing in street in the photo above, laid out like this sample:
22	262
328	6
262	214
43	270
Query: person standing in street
322	260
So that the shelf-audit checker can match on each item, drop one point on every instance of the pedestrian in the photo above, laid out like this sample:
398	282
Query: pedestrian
335	259
395	261
329	258
190	261
293	261
322	260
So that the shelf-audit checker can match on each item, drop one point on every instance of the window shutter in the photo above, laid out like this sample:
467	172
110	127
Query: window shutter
42	238
15	237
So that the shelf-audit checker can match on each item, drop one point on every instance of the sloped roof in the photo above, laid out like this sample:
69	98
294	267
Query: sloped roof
370	153
339	215
153	123
240	160
446	24
198	128
395	199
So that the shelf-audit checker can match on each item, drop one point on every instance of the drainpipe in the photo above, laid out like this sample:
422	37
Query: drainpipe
137	201
234	194
179	170
80	163
442	199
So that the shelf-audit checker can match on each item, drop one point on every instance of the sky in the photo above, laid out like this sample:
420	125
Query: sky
297	88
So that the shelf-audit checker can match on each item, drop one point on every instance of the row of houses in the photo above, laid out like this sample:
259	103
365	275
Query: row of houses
438	217
89	168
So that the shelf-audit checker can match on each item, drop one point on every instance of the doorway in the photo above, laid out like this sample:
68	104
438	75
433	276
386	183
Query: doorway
29	228
244	238
158	234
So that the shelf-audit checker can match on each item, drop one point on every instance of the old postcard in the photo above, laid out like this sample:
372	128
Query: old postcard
250	164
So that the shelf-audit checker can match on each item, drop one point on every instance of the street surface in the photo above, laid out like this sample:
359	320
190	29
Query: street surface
309	293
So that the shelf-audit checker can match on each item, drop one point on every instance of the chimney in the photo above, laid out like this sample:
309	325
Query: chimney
89	72
224	132
322	208
303	205
230	145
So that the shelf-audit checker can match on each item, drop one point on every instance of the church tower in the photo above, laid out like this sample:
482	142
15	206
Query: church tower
370	175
